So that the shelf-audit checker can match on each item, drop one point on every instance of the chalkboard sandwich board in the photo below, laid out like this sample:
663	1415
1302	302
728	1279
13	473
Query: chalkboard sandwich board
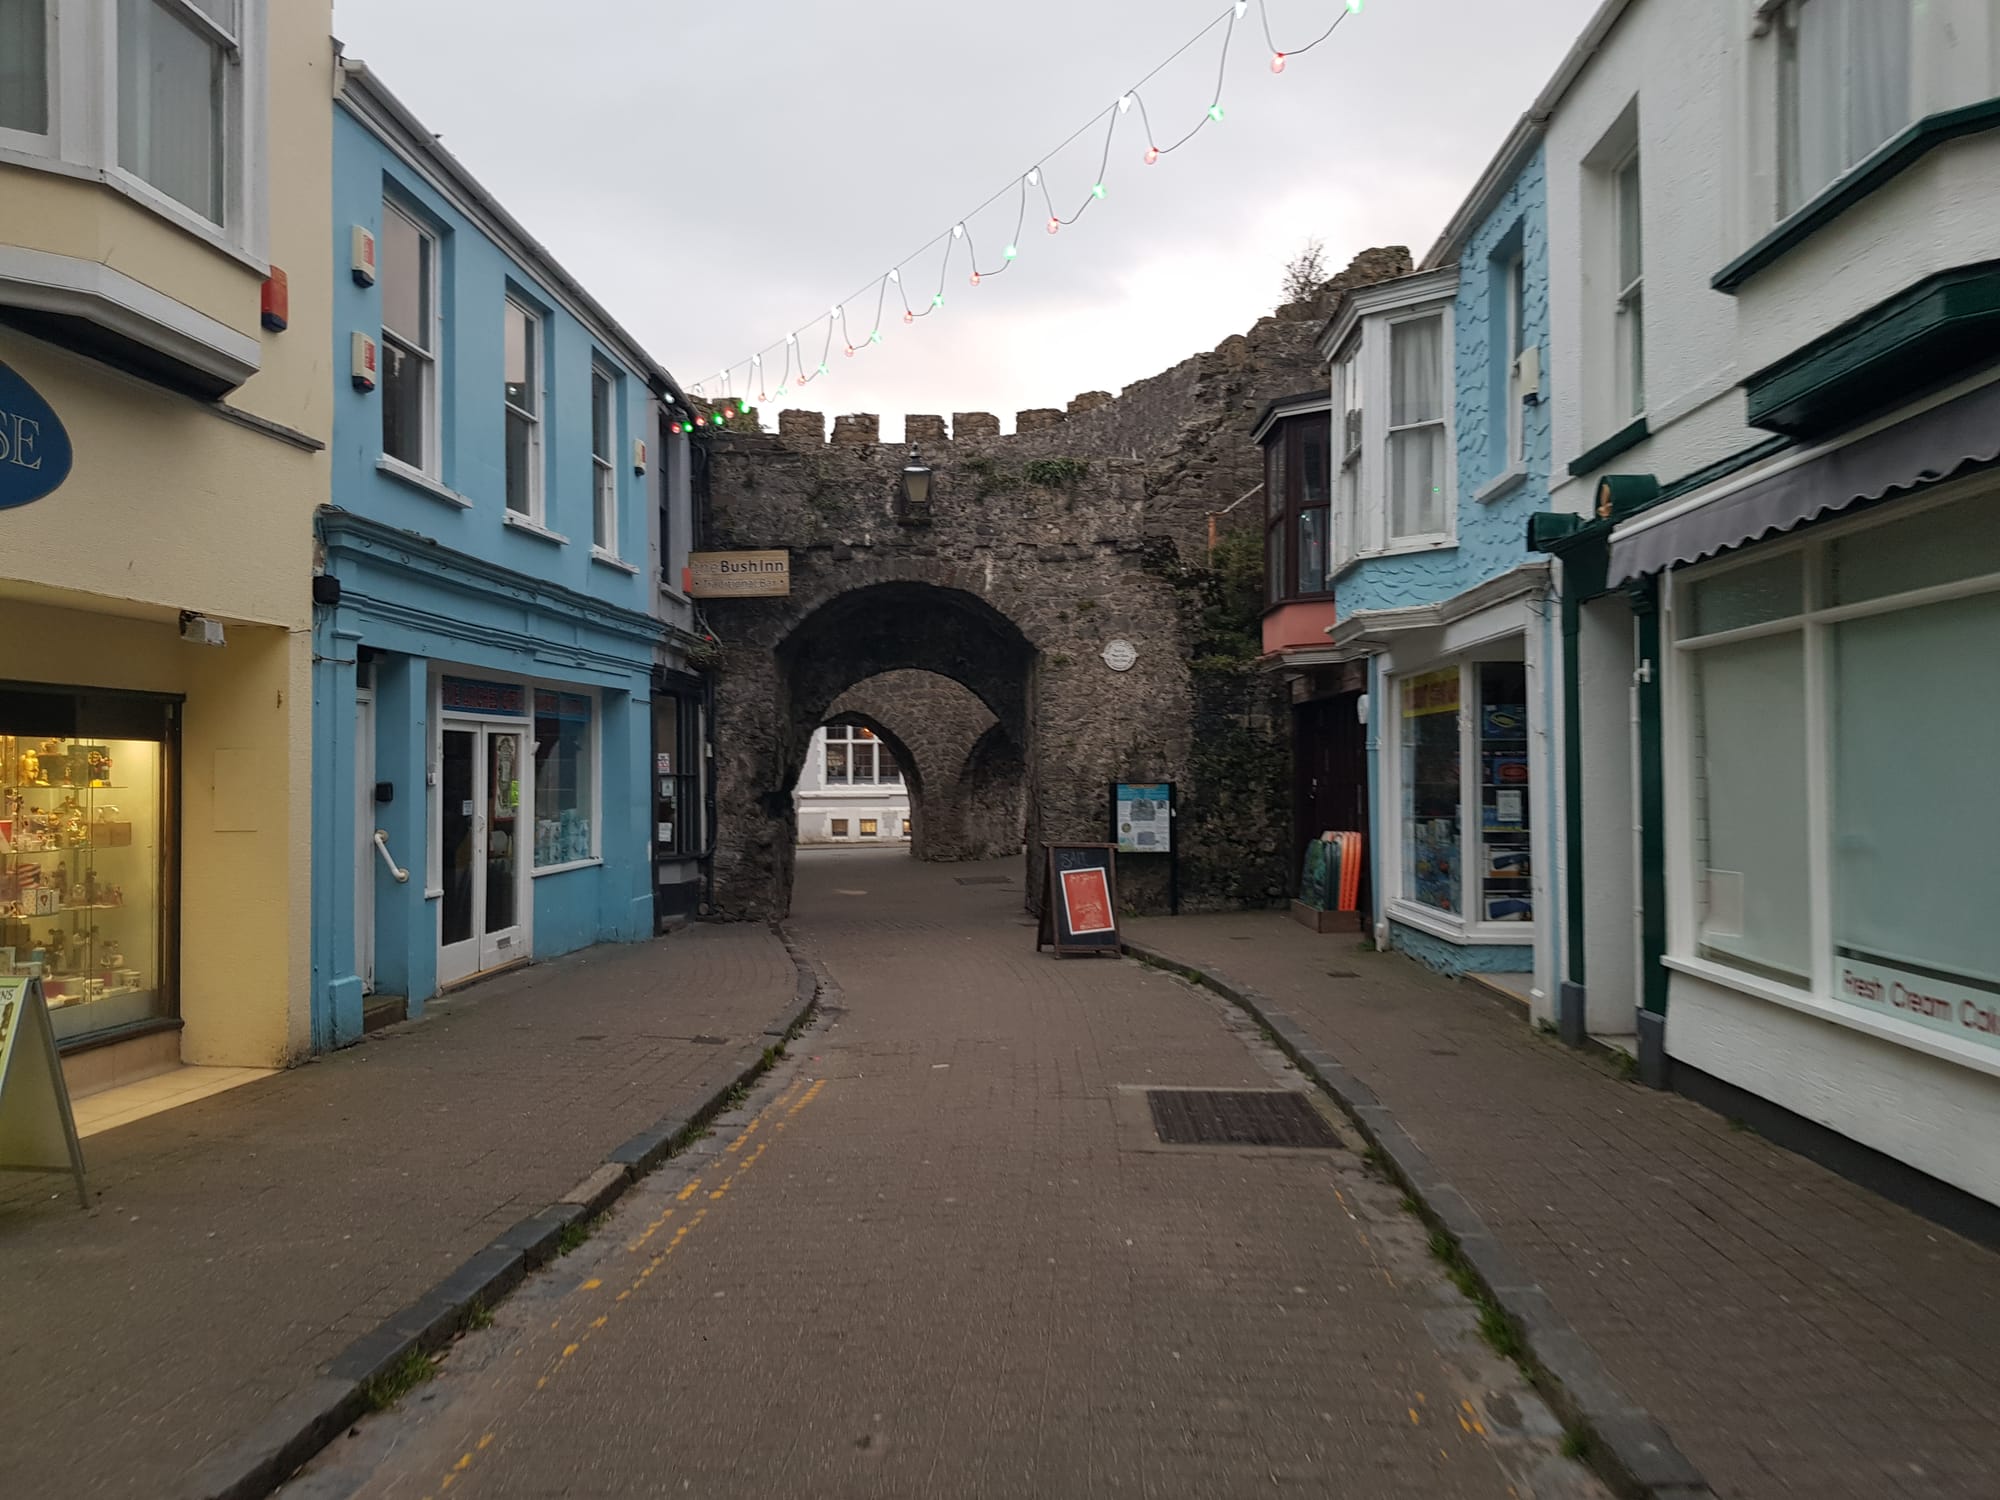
37	1130
1080	903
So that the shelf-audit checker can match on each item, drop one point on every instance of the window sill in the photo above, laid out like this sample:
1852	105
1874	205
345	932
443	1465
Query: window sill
1631	435
1500	488
1888	162
520	522
1400	549
143	194
421	482
1965	1054
613	560
576	864
1454	929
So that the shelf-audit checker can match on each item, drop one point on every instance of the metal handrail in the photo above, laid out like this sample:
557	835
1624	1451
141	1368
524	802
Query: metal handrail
382	847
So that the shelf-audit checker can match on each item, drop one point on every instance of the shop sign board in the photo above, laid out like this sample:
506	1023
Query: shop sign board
1958	1010
471	695
1431	693
739	575
37	1129
1080	903
35	450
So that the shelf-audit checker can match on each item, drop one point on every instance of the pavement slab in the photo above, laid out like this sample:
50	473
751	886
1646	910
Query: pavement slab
1795	1334
942	1251
237	1245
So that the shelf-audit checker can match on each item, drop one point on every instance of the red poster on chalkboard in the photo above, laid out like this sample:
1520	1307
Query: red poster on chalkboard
1086	898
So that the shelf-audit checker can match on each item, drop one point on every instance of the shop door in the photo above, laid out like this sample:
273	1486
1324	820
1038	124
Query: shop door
483	921
364	840
1330	780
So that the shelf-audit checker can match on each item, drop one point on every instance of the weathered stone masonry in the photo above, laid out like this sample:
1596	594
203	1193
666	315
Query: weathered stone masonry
1039	549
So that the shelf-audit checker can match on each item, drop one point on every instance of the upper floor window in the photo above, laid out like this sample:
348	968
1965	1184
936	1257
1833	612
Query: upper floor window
24	66
174	61
524	411
1515	376
1630	320
1416	429
156	99
603	466
1391	435
407	271
855	757
1844	87
1297	501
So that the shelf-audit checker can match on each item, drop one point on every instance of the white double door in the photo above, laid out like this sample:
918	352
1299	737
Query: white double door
485	827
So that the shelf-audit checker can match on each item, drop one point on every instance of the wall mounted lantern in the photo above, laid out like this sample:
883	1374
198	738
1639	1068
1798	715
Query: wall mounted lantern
915	507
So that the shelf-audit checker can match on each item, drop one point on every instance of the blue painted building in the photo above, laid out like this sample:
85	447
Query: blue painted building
489	625
1441	452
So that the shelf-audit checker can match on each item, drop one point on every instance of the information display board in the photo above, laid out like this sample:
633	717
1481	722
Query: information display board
1142	822
37	1130
1080	903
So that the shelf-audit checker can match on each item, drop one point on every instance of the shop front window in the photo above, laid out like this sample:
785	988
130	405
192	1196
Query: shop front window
1887	906
1431	790
1505	884
563	822
85	839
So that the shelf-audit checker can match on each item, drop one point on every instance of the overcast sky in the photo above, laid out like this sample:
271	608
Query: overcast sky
718	174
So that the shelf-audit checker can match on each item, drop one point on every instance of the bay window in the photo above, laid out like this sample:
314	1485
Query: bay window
1844	88
160	100
1297	500
1347	431
1416	429
24	66
174	58
1834	700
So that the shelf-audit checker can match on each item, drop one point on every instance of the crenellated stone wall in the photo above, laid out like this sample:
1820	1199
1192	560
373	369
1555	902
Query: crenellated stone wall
1038	549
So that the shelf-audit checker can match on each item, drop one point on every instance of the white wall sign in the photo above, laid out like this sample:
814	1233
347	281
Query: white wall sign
1120	655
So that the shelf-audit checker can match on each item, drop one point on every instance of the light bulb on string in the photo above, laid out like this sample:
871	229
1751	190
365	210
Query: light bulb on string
875	337
1034	176
975	278
1124	103
908	316
938	300
1054	224
1241	6
1277	62
1010	252
742	407
850	351
1097	190
1354	7
896	276
822	367
1152	155
1215	111
958	231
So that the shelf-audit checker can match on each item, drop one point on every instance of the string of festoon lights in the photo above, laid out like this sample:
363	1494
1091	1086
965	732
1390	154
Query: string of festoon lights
834	327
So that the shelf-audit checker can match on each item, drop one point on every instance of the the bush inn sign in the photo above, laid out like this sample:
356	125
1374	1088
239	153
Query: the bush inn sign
34	447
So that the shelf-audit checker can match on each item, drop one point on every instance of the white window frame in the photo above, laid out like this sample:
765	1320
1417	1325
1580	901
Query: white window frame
430	362
82	136
1516	292
604	477
1783	20
1628	320
594	750
1364	348
1349	421
1813	622
851	736
1460	926
537	511
1447	404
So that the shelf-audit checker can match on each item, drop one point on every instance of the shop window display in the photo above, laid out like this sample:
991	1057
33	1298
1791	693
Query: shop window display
562	779
1431	790
1505	885
80	855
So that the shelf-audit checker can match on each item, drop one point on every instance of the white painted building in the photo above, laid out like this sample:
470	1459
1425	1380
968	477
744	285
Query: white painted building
851	790
1775	349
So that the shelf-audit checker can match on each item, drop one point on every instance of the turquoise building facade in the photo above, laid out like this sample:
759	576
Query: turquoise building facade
485	624
1441	408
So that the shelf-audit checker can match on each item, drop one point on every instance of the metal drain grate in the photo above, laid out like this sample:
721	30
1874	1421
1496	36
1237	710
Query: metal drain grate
985	880
1250	1117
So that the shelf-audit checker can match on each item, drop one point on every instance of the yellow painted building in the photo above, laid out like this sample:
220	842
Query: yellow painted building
165	171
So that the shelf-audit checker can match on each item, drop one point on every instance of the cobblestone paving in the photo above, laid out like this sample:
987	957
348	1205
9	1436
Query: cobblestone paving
240	1242
1796	1334
942	1253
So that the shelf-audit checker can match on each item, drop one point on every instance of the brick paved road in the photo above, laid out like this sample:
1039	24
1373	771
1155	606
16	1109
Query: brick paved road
240	1242
942	1254
1798	1335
